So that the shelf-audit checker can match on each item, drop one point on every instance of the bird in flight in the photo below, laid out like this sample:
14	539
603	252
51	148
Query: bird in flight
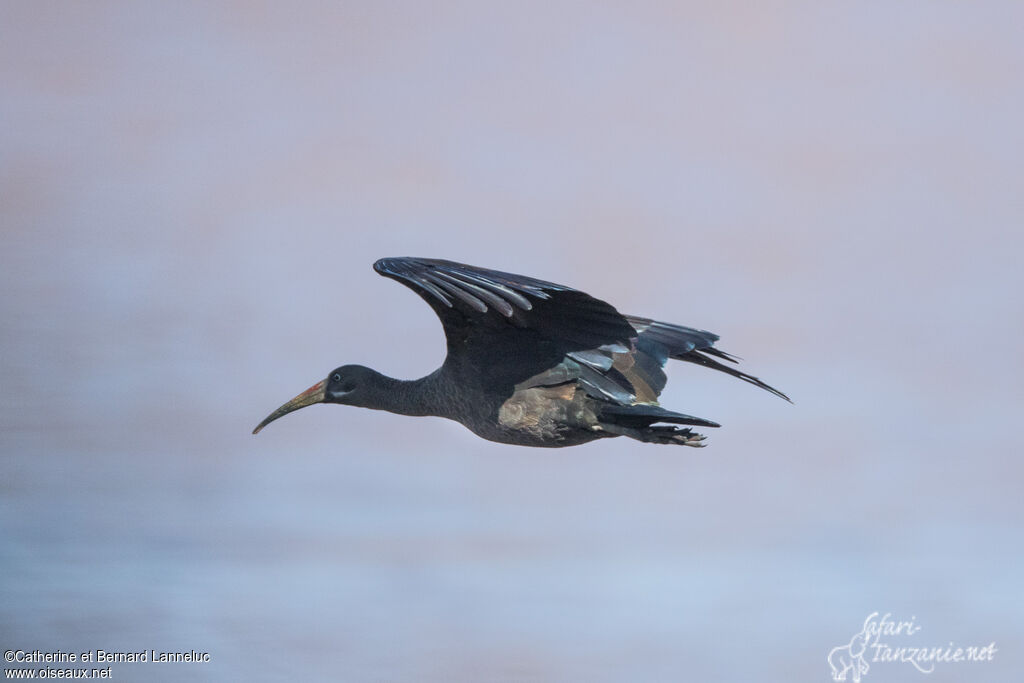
532	363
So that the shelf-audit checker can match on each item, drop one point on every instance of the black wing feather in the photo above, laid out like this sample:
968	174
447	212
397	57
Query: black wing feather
511	328
690	345
492	318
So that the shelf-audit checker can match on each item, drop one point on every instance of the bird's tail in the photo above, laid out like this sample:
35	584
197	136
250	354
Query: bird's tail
638	422
644	415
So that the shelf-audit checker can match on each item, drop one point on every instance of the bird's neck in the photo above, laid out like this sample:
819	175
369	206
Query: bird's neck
417	397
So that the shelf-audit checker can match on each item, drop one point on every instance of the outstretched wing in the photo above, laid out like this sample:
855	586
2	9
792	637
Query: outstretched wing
507	327
511	330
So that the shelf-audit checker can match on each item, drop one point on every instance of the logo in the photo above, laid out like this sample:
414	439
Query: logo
884	640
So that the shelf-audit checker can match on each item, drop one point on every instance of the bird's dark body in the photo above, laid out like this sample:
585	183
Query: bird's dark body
489	404
532	363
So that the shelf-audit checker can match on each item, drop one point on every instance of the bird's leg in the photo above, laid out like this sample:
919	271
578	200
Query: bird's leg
682	436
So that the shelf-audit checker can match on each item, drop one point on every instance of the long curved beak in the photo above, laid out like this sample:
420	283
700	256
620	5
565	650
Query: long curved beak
315	394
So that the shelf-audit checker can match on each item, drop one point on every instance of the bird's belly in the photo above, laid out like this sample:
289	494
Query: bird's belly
544	416
555	436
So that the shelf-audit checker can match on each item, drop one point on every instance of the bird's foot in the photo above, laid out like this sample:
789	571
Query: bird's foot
691	439
682	436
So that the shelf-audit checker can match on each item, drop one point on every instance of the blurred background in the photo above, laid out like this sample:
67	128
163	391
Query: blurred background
192	195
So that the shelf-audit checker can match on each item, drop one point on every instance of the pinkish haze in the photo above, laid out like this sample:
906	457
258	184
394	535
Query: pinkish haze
191	196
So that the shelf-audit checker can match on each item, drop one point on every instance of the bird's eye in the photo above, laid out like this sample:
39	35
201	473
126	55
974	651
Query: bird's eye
337	377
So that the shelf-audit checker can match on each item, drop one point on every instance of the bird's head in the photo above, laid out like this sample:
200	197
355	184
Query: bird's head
349	385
